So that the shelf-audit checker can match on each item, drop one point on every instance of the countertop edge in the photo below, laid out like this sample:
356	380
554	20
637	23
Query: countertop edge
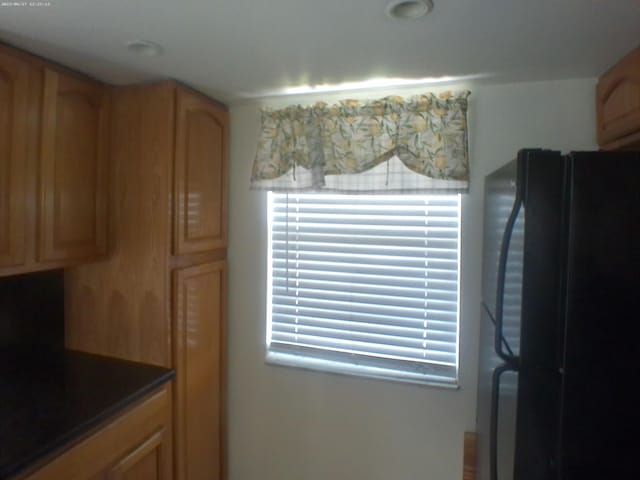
39	457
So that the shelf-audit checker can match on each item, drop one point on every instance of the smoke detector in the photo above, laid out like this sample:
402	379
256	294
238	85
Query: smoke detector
408	9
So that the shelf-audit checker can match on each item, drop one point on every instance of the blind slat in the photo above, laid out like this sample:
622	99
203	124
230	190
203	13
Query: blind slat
377	340
369	282
436	320
436	331
433	315
368	348
359	270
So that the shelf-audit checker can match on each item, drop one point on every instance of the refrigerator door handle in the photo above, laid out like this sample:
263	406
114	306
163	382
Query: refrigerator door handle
485	307
493	427
502	269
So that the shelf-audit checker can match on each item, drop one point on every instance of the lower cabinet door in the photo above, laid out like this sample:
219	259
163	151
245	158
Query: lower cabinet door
144	463
199	312
134	446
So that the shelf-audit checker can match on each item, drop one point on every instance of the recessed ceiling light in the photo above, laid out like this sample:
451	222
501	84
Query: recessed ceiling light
144	48
407	9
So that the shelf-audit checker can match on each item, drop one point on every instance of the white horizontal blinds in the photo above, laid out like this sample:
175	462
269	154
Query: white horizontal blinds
367	280
512	300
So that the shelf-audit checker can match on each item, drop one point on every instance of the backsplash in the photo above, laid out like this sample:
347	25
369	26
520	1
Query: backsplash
32	310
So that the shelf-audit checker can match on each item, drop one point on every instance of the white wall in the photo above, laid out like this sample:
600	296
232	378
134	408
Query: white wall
290	424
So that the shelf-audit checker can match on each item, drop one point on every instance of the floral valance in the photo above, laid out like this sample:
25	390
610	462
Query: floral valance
387	145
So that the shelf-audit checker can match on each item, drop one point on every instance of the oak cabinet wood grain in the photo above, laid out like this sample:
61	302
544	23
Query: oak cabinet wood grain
53	165
159	296
145	462
54	213
199	301
73	169
618	105
200	205
128	294
14	91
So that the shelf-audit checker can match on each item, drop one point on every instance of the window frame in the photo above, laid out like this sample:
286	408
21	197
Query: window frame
305	358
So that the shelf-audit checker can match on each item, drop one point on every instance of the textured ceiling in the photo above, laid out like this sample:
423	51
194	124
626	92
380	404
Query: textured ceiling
238	49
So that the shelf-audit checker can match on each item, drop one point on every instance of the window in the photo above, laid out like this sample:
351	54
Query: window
365	284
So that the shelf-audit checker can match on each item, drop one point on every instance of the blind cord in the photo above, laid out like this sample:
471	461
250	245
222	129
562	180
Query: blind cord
286	240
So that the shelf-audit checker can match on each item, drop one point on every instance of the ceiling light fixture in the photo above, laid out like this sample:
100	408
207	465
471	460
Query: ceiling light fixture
373	84
408	9
144	48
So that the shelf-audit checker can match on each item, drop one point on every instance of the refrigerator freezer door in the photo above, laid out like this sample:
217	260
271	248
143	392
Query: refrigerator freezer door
601	413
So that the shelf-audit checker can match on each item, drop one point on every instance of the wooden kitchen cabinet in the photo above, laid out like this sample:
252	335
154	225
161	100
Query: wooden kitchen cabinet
199	301
618	105
73	169
134	446
159	297
53	165
145	462
200	170
14	96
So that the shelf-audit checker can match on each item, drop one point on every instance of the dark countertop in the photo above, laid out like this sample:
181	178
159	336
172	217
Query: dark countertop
50	398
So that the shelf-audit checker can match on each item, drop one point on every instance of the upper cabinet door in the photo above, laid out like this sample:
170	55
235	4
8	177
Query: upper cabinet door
73	169
14	213
200	175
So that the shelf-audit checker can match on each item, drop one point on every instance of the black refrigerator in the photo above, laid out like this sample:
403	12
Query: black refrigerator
559	366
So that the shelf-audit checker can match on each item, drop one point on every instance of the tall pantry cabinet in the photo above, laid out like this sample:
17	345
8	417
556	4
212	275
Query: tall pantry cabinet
160	295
